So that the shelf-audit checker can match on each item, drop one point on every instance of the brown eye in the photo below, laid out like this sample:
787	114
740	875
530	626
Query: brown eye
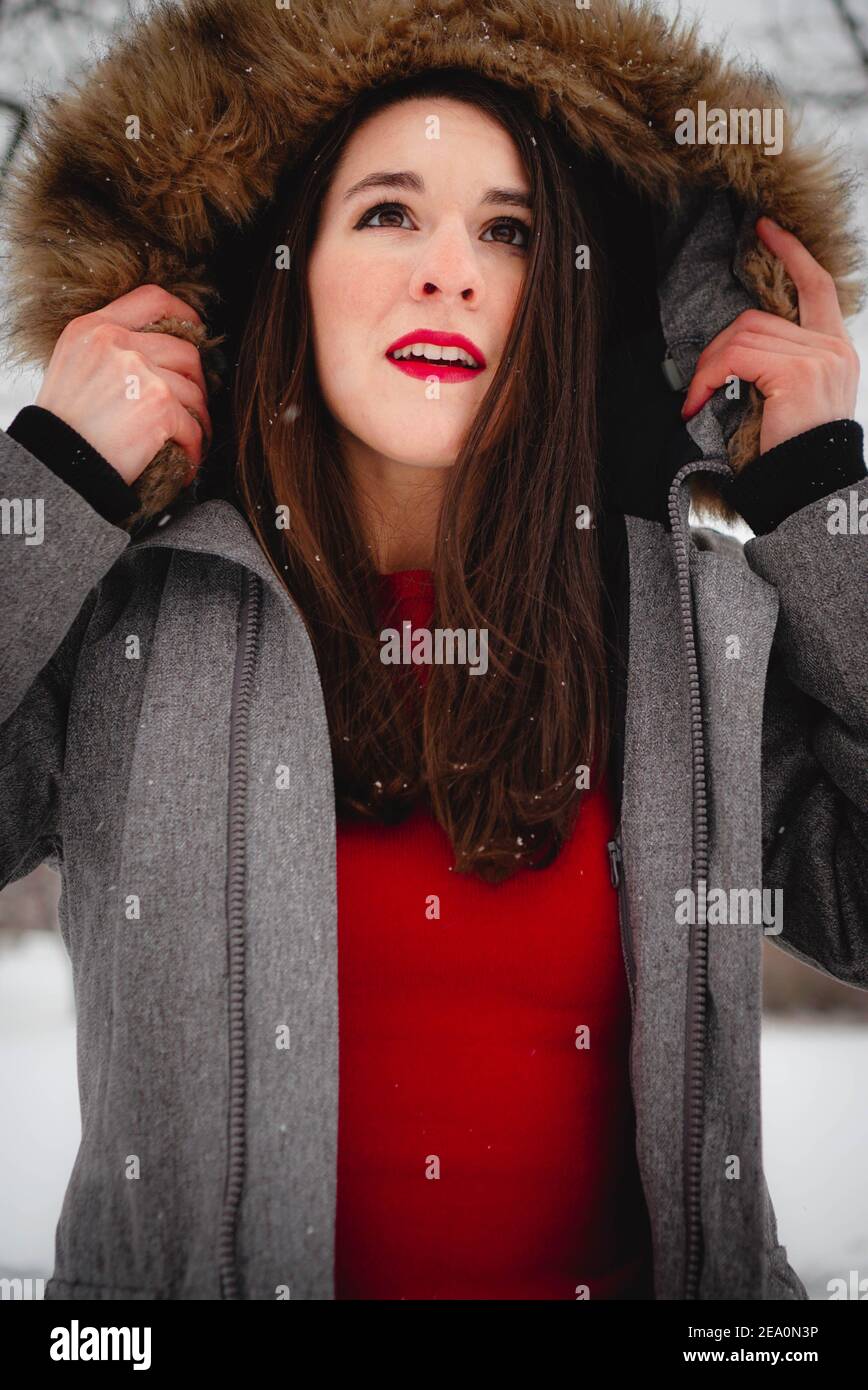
509	231
383	210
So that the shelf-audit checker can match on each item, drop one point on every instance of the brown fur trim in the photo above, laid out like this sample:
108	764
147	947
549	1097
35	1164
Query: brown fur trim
227	91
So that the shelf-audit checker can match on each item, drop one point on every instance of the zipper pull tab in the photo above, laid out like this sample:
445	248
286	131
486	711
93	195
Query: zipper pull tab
614	850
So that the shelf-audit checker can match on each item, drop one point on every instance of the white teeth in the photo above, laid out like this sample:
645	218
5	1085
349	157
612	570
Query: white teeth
432	353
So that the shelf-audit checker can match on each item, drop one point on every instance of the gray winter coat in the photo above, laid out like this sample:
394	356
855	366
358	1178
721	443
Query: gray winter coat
199	902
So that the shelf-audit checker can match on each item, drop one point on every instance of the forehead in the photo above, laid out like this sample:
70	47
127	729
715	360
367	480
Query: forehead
440	138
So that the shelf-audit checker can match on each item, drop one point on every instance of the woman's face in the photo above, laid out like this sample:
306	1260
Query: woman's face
430	253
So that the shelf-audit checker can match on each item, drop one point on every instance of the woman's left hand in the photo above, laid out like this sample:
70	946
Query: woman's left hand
807	371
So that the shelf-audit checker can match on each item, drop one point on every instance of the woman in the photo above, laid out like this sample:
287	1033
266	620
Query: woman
480	898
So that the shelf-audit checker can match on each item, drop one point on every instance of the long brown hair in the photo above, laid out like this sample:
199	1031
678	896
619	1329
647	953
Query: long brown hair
496	756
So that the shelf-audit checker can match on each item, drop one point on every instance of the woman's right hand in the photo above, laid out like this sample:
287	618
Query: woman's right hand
128	392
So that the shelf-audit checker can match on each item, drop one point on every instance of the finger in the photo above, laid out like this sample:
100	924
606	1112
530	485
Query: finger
784	347
190	396
747	362
187	433
772	325
147	304
174	354
818	299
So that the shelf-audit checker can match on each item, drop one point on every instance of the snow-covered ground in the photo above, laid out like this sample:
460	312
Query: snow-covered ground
38	1099
815	1120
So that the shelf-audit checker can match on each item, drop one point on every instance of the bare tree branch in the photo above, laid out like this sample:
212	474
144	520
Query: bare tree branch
21	118
847	18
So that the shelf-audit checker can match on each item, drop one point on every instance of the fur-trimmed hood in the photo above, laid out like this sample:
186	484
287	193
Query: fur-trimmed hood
228	92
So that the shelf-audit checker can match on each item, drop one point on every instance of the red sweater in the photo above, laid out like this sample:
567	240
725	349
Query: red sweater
481	1153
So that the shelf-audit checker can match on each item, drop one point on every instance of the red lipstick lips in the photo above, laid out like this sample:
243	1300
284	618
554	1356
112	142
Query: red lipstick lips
452	369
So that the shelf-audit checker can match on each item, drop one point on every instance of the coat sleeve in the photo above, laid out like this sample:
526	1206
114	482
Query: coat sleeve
50	572
815	731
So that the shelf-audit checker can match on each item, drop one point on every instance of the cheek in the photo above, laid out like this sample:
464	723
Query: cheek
504	303
350	296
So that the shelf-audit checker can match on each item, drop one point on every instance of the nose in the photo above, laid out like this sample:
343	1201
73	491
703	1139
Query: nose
448	267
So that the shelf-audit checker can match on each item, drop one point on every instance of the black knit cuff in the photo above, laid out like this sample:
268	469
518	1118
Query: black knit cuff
796	473
76	462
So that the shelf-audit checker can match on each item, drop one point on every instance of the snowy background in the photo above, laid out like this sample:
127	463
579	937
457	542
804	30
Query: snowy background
815	1037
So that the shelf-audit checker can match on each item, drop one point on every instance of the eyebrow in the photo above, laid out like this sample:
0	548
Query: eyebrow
405	179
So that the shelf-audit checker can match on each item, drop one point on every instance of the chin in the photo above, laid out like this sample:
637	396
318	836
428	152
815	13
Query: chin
416	444
423	456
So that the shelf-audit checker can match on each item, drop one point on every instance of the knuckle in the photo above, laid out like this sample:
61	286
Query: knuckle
160	392
808	369
105	334
132	361
155	299
820	279
157	436
78	327
190	358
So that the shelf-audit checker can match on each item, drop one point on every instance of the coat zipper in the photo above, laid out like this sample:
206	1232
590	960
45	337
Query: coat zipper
697	970
250	614
694	1040
694	1089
